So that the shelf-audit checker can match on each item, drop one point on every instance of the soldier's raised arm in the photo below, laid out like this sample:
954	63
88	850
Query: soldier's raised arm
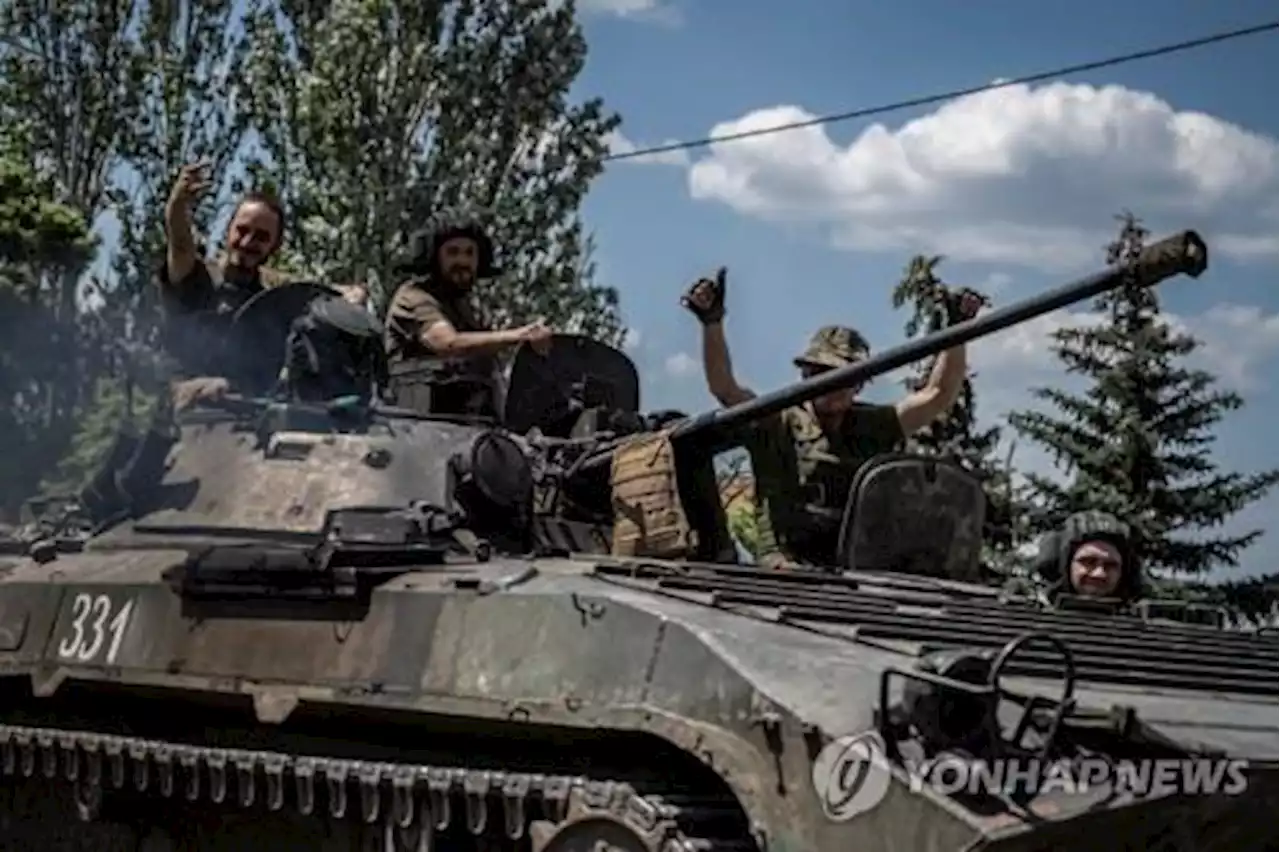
705	300
181	251
946	379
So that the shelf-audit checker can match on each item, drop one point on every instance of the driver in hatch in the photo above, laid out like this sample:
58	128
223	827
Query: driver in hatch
1091	555
432	323
804	459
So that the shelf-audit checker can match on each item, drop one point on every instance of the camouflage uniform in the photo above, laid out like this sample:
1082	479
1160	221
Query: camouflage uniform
422	300
803	474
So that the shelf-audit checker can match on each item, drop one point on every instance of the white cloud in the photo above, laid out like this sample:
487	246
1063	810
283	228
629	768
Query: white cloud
680	364
1236	341
619	144
1025	348
1019	175
994	283
631	339
652	11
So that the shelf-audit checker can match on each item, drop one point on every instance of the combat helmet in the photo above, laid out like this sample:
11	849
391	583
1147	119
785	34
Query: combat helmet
1056	548
421	255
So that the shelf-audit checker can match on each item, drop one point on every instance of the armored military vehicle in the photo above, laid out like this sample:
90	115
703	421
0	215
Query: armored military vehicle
321	623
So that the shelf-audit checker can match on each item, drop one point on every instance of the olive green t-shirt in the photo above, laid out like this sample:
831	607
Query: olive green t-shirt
414	309
803	475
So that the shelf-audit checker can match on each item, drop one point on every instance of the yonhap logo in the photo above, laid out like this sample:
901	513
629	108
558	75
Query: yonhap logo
851	775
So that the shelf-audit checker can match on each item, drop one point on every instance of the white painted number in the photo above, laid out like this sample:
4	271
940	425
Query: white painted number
92	624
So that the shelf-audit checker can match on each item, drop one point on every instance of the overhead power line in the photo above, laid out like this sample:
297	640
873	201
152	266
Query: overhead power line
927	100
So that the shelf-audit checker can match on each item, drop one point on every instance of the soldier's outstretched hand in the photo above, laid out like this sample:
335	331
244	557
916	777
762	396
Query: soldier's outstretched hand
193	181
537	335
356	294
705	299
190	392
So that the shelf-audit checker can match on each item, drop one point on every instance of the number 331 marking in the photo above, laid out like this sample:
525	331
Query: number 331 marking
93	624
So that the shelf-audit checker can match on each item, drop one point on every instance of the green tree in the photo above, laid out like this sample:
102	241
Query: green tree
69	76
68	82
455	104
41	241
1136	443
185	88
113	97
957	436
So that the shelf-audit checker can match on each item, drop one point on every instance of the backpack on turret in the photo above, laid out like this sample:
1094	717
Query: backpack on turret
334	350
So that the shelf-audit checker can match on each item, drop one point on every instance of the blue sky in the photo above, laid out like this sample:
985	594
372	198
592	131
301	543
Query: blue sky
1016	188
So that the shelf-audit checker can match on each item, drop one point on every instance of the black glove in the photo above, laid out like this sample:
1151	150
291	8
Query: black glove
715	311
963	304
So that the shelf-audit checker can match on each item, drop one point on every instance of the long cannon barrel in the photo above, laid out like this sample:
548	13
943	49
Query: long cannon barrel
1184	253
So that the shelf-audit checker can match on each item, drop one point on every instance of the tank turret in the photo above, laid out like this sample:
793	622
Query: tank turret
308	619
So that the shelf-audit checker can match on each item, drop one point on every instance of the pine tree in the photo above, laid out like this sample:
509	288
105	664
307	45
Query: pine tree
957	436
1137	442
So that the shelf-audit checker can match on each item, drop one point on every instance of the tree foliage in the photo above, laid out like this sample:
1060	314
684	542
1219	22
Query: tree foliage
365	115
41	240
417	128
37	233
957	436
1137	442
111	97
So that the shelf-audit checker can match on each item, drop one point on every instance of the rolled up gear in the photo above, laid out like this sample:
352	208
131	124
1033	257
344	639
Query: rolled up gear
190	392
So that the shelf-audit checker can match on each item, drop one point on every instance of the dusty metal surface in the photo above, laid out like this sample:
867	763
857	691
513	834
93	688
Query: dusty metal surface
918	518
223	478
555	646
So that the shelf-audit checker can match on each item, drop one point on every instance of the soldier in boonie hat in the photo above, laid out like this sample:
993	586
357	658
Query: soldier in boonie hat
805	460
833	346
830	348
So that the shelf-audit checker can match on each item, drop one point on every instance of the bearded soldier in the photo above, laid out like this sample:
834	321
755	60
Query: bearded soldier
200	296
441	351
804	459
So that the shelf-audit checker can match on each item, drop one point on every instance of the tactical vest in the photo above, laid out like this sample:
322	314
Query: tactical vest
803	478
427	383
